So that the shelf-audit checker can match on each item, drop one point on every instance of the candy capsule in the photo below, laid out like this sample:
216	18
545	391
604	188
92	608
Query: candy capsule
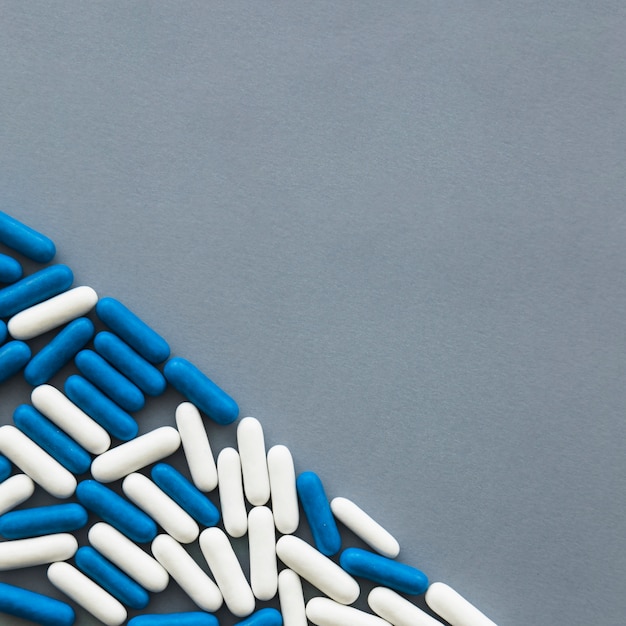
35	607
251	445
13	356
134	331
201	391
192	618
263	617
398	610
262	543
326	612
383	571
20	553
59	352
234	513
14	491
25	240
52	313
84	591
454	608
43	520
10	269
35	288
291	598
283	489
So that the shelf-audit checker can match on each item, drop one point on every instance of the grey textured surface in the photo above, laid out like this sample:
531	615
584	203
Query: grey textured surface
394	232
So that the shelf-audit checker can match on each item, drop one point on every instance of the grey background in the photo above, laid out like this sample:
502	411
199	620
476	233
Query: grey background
394	232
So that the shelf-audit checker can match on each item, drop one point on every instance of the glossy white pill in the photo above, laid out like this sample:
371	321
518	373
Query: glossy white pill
318	569
36	462
37	550
326	612
282	477
84	591
397	610
15	490
234	514
196	447
291	598
187	573
160	507
226	569
453	607
364	527
129	557
52	313
60	410
135	454
251	444
262	543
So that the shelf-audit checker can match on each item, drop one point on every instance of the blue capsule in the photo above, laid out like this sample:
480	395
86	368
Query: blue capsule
103	410
115	385
43	520
60	351
13	356
263	617
116	510
318	513
126	360
35	607
5	468
10	269
134	331
384	571
111	578
25	240
52	439
35	288
186	494
201	391
193	618
3	331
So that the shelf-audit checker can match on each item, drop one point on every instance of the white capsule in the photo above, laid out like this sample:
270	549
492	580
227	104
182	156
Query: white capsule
397	610
52	313
291	598
326	612
129	557
453	607
196	447
233	506
364	527
14	491
226	569
60	410
84	591
160	507
318	569
283	489
262	543
135	454
187	573
251	444
36	462
21	553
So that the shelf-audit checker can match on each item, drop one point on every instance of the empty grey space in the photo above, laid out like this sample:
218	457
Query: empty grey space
393	231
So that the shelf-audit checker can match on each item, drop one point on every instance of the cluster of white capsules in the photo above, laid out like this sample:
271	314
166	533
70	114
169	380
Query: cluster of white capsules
56	437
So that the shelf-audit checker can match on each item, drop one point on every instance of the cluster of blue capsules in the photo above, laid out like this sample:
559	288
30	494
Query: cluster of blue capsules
139	542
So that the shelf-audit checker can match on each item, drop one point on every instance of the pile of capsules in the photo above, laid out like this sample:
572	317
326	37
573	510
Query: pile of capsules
138	542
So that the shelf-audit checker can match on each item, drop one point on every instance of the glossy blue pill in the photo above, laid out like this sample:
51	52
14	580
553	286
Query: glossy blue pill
134	331
193	618
116	510
114	384
186	494
13	356
318	513
3	331
5	468
59	351
43	520
384	571
25	240
103	410
201	391
35	288
121	356
52	439
10	269
35	607
111	578
263	617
